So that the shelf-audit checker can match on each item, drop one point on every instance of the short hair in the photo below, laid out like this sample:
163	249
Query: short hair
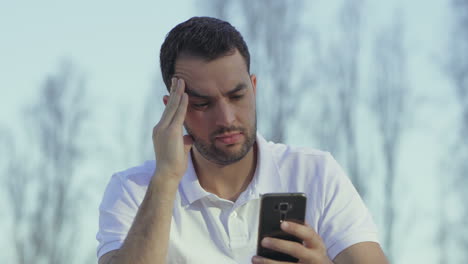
205	37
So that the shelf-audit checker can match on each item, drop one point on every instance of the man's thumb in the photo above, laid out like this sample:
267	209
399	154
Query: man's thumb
188	142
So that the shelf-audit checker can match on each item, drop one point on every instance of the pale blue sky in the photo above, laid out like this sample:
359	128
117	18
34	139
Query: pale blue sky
116	46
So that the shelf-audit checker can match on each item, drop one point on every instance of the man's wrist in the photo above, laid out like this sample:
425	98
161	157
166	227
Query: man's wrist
164	184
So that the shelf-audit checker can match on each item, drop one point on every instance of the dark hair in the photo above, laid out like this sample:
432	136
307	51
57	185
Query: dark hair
205	37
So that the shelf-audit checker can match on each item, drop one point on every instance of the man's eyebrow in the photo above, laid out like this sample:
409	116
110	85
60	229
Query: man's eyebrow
240	86
192	93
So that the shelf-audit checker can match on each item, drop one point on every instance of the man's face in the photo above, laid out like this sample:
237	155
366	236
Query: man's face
221	115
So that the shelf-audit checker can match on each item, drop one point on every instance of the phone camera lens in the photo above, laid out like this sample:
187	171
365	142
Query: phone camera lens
284	207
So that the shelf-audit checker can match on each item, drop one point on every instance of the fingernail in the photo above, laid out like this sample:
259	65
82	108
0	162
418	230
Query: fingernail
173	81
256	259
284	225
179	82
266	242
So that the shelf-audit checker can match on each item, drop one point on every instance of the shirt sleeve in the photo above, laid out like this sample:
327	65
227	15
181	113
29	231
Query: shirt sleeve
116	213
345	220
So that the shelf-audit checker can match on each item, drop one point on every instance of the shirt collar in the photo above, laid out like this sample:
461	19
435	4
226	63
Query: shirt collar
190	186
266	179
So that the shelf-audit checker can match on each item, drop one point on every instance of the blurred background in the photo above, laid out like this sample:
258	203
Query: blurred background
382	85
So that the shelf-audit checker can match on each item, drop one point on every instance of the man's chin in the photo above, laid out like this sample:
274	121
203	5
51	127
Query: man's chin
231	153
228	160
226	155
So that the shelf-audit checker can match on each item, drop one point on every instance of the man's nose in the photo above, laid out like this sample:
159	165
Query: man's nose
224	114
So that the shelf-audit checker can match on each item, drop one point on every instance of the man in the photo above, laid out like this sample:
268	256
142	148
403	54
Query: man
199	202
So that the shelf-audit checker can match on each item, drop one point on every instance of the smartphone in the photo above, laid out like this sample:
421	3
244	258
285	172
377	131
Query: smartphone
274	209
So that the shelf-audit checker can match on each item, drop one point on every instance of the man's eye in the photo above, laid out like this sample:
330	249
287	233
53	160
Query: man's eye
237	97
201	105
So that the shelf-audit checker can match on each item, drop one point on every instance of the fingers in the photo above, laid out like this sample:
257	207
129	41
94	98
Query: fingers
312	251
175	97
169	110
179	115
291	248
304	232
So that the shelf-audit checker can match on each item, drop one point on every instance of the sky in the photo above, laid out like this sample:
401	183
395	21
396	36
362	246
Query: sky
115	46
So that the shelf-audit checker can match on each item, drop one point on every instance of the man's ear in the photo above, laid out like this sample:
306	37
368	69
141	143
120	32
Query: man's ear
165	99
253	80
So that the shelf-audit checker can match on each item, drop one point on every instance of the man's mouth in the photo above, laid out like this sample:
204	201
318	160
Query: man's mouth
229	138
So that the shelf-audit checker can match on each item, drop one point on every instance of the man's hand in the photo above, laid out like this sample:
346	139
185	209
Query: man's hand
170	146
312	251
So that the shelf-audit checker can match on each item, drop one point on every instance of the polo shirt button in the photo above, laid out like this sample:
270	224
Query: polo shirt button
234	214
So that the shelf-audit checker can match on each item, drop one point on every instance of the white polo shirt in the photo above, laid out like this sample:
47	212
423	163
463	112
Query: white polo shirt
208	229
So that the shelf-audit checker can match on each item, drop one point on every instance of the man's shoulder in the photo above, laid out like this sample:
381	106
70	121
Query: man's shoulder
128	185
283	151
139	175
300	169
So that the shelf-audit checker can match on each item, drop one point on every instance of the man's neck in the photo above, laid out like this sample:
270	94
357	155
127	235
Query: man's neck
227	181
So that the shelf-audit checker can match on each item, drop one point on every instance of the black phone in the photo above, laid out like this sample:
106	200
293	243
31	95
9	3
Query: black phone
274	209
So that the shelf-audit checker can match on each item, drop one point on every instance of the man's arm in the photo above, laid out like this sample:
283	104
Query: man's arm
147	240
106	258
362	253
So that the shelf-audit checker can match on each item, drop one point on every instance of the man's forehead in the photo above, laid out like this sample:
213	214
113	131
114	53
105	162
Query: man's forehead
239	87
204	77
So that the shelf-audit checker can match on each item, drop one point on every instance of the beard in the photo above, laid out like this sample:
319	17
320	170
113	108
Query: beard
211	152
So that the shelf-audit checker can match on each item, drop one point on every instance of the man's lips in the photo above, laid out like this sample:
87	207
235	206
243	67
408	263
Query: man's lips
230	138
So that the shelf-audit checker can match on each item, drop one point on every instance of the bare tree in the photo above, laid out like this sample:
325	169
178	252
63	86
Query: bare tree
348	89
326	128
457	71
134	142
41	182
389	101
275	32
340	66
